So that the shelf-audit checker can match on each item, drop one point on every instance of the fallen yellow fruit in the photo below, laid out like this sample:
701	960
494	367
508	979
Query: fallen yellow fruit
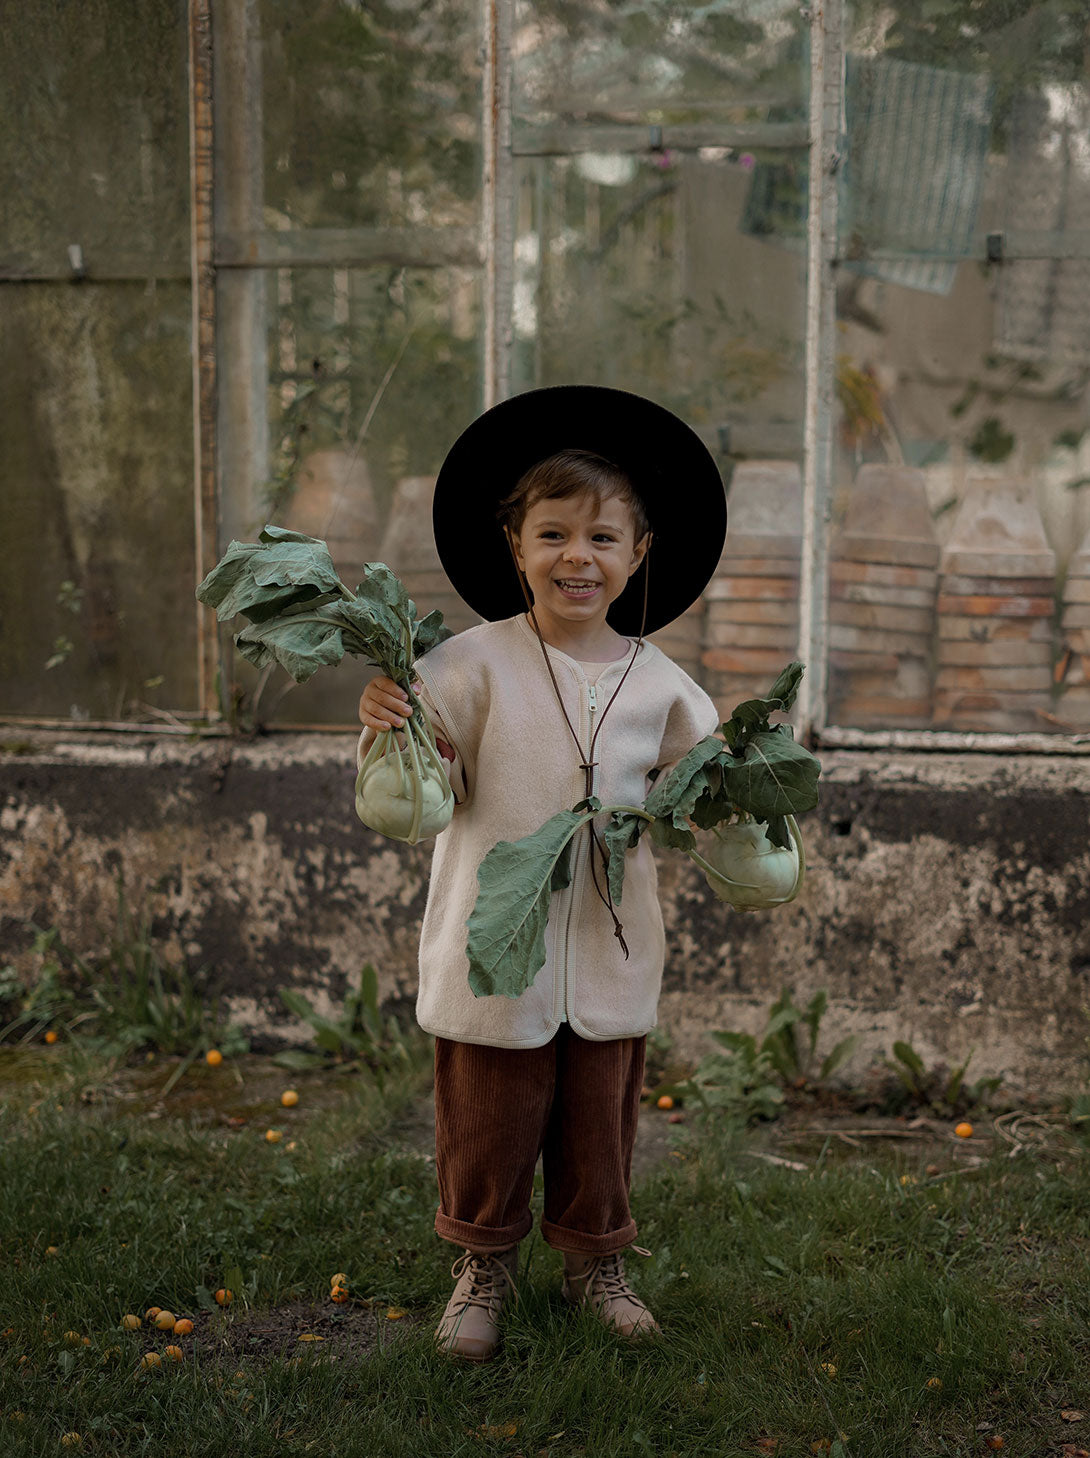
289	1098
152	1312
183	1326
165	1321
934	1383
213	1057
964	1130
274	1136
224	1296
395	1313
665	1101
72	1338
340	1279
175	1353
52	1250
151	1359
131	1322
51	1037
829	1368
338	1293
71	1440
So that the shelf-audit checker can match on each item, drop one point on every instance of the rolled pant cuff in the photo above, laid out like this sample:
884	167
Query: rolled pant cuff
576	1242
481	1237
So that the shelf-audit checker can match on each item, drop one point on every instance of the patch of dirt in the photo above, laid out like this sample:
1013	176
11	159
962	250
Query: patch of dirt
304	1329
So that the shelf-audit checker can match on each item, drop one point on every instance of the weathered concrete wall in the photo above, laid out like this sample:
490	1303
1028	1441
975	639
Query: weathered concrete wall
947	902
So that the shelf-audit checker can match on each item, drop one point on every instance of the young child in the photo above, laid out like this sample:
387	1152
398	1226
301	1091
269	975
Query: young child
575	520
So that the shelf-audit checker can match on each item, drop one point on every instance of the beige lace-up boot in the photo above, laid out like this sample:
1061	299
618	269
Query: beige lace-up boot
470	1324
599	1281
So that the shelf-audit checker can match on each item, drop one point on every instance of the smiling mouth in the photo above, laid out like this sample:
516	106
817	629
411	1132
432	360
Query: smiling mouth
577	586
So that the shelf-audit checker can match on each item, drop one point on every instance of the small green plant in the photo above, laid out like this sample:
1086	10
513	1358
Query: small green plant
359	1034
793	1056
123	999
739	1084
748	1080
941	1089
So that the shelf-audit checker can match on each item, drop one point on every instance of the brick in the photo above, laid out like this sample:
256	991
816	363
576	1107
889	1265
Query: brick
1013	655
1077	589
750	661
997	607
785	613
912	597
844	660
962	586
752	635
762	544
877	640
897	551
875	615
910	679
883	573
874	711
1008	700
993	680
999	564
1076	616
737	566
751	589
995	630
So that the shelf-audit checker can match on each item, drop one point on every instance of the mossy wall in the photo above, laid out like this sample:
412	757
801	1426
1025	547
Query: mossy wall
947	902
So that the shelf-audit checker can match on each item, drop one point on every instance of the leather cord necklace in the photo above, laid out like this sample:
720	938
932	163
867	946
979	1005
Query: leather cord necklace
587	763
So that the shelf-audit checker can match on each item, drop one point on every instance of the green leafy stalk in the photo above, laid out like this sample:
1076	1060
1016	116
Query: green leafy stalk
756	771
516	880
302	616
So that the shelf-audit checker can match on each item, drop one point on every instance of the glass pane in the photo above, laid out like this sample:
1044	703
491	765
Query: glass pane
96	439
97	618
372	374
371	113
94	139
656	61
660	196
960	570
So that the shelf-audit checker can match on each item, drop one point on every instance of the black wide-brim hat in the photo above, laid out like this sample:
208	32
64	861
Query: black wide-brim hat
670	467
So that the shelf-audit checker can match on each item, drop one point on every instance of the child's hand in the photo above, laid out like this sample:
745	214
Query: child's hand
384	704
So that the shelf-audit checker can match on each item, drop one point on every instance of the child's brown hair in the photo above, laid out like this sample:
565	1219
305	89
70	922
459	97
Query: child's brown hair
572	473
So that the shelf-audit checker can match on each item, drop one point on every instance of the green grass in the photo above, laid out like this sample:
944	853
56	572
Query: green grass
764	1278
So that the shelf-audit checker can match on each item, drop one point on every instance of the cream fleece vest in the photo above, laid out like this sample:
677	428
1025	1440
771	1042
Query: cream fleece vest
490	695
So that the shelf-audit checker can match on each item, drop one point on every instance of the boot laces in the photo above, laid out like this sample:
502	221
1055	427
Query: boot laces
607	1278
488	1278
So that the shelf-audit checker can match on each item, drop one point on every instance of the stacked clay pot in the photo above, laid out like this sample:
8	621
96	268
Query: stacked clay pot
751	626
996	612
883	581
1073	668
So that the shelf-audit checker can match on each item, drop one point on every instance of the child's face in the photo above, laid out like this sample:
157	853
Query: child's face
577	554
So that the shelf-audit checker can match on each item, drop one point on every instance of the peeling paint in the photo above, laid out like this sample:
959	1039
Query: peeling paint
947	903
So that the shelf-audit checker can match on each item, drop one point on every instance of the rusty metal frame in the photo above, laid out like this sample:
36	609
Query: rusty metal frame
497	202
826	124
203	285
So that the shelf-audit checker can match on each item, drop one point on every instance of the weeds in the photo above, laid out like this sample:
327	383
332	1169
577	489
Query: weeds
359	1035
748	1080
940	1089
128	998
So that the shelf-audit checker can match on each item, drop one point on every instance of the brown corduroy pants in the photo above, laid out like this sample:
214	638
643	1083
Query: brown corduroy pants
574	1102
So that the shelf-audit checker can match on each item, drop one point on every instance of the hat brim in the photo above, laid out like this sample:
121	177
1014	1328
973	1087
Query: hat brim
670	467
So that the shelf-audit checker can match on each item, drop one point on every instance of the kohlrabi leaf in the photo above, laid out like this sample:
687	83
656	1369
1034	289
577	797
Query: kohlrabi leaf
303	617
261	579
775	777
301	640
674	795
621	835
516	880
